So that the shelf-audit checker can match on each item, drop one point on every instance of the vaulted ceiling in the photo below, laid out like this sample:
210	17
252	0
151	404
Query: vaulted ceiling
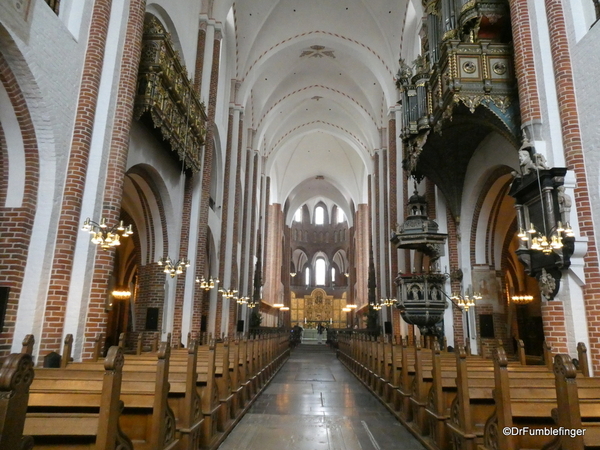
317	84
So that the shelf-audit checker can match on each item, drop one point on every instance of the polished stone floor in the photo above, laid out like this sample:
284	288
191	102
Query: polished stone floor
315	403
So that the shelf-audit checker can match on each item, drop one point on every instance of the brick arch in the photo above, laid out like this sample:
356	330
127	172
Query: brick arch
16	223
492	178
156	185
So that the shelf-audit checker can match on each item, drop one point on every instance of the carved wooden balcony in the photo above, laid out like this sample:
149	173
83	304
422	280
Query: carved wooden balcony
166	99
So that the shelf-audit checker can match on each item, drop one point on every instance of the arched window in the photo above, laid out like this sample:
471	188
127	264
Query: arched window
340	216
298	215
320	272
319	215
307	276
333	274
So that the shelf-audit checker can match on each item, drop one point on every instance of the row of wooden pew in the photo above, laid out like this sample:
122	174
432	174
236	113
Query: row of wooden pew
453	400
171	399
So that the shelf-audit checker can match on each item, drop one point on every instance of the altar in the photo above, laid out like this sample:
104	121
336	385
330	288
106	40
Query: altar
309	334
318	308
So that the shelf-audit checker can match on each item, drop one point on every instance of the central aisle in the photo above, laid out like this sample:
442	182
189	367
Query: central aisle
315	403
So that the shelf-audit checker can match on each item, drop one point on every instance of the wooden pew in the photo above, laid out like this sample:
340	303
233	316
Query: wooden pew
578	407
209	393
523	399
147	418
28	343
16	375
222	378
70	414
474	404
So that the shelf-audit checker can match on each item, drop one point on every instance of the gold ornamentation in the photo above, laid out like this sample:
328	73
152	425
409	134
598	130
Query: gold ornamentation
168	96
499	68
469	67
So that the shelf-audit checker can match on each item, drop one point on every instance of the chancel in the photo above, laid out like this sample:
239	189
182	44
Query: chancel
317	224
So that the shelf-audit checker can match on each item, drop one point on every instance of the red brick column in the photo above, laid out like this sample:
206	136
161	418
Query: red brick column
376	223
200	57
266	199
236	275
569	119
16	223
351	265
70	220
253	232
361	253
524	62
151	294
183	249
245	256
117	164
393	205
226	284
453	258
386	226
206	181
273	256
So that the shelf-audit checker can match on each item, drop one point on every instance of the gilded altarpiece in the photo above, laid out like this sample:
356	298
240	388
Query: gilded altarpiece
318	307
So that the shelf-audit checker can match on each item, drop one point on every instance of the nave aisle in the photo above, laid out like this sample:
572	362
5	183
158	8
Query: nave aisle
315	403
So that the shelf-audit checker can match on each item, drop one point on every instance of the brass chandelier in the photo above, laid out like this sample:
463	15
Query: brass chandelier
106	237
174	269
541	242
388	301
465	301
207	285
228	293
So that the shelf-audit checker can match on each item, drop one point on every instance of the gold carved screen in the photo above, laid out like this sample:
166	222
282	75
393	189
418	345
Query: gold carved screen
318	307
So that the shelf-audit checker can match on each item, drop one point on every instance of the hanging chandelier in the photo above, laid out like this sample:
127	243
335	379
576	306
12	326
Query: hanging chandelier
465	301
228	293
207	285
172	268
251	304
243	300
388	301
539	241
106	237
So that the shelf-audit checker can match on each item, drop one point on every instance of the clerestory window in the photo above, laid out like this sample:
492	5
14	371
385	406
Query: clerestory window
320	272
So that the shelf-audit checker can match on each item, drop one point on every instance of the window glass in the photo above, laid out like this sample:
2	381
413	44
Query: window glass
319	215
320	272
